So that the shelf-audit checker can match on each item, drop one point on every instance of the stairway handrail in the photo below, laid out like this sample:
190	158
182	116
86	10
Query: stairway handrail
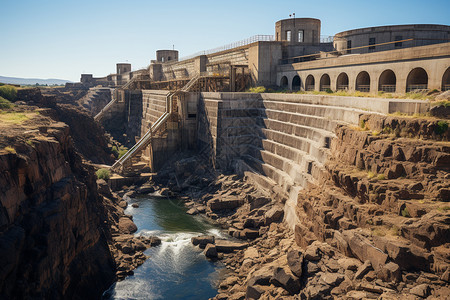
107	106
155	127
148	134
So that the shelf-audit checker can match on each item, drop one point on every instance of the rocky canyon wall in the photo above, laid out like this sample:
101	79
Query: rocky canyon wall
52	236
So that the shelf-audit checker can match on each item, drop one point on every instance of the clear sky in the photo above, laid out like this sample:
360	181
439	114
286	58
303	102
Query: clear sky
62	38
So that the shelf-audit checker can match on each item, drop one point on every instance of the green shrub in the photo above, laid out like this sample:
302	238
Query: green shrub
445	103
115	151
4	104
381	177
441	128
258	89
405	213
8	92
103	174
328	91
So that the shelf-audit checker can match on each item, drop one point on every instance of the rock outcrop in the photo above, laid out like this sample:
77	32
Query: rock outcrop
52	223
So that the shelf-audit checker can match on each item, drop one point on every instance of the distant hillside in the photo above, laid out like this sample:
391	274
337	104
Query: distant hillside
26	81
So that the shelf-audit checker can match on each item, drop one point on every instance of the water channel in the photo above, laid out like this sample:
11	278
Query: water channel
175	269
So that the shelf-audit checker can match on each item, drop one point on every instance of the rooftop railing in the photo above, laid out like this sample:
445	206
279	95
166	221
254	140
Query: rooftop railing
250	40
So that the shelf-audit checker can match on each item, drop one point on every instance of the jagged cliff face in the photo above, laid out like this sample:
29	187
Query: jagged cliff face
52	244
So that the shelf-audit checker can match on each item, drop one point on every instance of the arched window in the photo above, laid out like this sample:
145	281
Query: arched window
446	80
325	83
342	82
296	83
363	82
284	82
387	81
310	83
417	80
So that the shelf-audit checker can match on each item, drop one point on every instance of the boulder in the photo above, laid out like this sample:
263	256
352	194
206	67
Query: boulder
135	205
229	246
250	234
422	290
312	253
251	253
258	202
146	189
227	203
275	214
139	246
123	204
254	292
126	225
154	241
349	263
202	241
130	194
390	272
193	211
283	277
103	187
363	270
364	250
210	251
403	253
295	262
333	279
261	276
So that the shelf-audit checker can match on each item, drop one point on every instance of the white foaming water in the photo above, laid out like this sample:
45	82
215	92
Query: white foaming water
136	289
217	233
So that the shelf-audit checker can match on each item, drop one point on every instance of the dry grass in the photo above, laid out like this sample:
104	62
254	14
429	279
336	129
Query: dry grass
13	117
10	149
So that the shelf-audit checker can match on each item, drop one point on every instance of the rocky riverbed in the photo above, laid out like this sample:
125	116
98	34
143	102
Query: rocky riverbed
268	260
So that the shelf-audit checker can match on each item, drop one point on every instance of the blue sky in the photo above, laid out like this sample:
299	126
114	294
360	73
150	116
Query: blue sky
62	38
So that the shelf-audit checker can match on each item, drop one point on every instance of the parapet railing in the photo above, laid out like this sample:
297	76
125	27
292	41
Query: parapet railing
250	40
334	53
326	39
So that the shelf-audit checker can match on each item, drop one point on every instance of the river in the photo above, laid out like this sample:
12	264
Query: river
175	269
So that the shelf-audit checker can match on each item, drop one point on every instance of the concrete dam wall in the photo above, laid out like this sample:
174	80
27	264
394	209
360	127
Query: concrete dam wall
280	141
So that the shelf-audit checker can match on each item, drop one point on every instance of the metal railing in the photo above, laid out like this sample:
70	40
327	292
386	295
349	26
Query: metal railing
326	39
310	87
414	87
342	87
388	88
324	88
107	106
363	88
446	87
250	40
309	57
143	142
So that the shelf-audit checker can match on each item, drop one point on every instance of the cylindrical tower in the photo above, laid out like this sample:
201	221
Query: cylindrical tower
123	68
166	55
298	30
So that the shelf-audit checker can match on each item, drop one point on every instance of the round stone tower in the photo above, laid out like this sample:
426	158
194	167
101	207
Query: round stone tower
298	30
123	68
166	55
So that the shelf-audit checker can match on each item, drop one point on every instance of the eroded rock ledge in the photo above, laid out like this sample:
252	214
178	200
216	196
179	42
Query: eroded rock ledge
52	241
377	226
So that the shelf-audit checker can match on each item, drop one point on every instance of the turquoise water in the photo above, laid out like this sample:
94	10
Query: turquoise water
176	269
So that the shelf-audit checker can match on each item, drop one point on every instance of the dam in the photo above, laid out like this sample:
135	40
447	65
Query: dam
303	166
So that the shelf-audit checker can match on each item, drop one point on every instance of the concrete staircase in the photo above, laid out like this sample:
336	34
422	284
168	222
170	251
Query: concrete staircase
95	99
133	161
